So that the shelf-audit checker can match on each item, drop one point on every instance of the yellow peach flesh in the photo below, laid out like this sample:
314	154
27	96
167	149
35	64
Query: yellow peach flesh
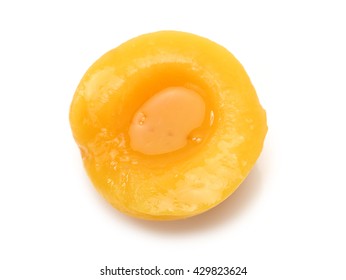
217	140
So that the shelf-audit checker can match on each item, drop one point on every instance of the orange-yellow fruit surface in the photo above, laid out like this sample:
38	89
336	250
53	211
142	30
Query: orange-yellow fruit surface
168	125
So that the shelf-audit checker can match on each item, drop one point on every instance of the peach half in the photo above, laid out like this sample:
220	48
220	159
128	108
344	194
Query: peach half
168	125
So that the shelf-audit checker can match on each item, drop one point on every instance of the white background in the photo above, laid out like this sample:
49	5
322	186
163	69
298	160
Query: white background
287	220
